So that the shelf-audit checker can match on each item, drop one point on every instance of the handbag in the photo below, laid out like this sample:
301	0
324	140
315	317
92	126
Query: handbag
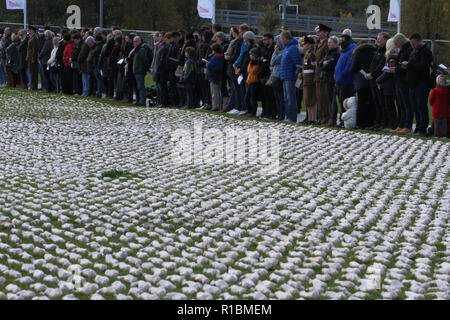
272	81
179	72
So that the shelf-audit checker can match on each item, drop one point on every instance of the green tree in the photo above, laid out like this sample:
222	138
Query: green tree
271	19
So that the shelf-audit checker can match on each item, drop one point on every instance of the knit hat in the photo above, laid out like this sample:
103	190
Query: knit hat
254	52
347	32
249	35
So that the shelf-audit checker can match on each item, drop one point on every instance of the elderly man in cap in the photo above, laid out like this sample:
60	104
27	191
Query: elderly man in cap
32	57
323	100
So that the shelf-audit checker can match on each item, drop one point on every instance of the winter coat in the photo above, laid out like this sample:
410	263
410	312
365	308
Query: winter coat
403	55
309	68
377	65
361	60
23	47
321	52
266	53
94	57
342	70
174	51
440	102
188	77
69	49
419	66
290	60
46	50
161	68
253	70
140	61
83	57
215	68
12	58
327	71
275	63
112	61
234	55
387	82
33	50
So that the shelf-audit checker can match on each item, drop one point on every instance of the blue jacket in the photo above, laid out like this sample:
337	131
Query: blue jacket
290	60
215	68
342	71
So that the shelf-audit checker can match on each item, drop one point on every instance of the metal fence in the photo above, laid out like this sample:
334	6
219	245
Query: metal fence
301	23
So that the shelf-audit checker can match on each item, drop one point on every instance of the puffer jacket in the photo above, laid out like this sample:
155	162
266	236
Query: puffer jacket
361	60
290	61
342	70
275	63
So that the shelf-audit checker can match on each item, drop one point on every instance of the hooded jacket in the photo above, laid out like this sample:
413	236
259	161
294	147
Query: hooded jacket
439	100
290	60
342	71
361	60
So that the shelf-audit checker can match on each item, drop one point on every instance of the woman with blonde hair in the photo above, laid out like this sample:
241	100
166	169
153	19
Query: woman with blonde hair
401	85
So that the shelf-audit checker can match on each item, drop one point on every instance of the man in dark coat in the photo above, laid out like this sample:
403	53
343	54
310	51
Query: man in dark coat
375	70
267	48
361	59
418	71
161	71
44	55
85	69
33	57
174	51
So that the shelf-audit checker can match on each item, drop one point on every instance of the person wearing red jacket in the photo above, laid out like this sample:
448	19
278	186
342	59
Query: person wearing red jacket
439	100
67	73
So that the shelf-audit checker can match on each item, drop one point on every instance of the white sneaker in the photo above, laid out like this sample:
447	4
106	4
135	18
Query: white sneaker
234	111
242	113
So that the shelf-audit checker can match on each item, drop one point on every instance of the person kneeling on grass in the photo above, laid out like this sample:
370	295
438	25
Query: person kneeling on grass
214	74
251	97
439	100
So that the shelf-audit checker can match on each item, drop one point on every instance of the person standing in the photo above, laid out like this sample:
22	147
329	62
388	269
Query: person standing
277	84
290	61
323	97
361	59
12	62
440	102
268	103
76	72
214	74
344	78
85	68
308	76
418	76
23	65
401	86
33	57
375	70
161	70
326	74
44	55
67	73
141	64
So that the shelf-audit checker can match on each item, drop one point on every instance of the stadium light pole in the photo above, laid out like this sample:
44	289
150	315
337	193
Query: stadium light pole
249	11
283	17
101	13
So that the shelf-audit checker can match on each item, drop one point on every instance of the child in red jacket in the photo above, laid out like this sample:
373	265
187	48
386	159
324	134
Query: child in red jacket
439	100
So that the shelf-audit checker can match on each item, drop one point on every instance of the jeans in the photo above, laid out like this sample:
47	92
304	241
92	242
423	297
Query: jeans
404	105
2	73
99	80
142	98
279	100
86	78
290	100
55	79
216	92
189	96
419	101
43	76
235	101
378	104
440	126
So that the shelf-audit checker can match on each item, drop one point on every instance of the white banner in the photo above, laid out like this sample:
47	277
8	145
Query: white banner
394	12
16	4
206	9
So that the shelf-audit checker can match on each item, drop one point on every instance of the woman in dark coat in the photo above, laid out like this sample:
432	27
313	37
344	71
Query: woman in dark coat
362	58
12	62
23	65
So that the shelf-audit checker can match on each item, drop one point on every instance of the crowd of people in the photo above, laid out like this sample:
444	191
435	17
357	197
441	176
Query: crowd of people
386	85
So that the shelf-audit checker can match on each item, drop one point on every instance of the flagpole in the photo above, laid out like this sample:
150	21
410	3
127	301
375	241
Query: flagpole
214	12
25	23
399	23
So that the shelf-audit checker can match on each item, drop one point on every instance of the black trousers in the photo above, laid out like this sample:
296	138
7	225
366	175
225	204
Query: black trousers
173	90
251	98
390	119
268	103
67	80
77	85
366	110
23	79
